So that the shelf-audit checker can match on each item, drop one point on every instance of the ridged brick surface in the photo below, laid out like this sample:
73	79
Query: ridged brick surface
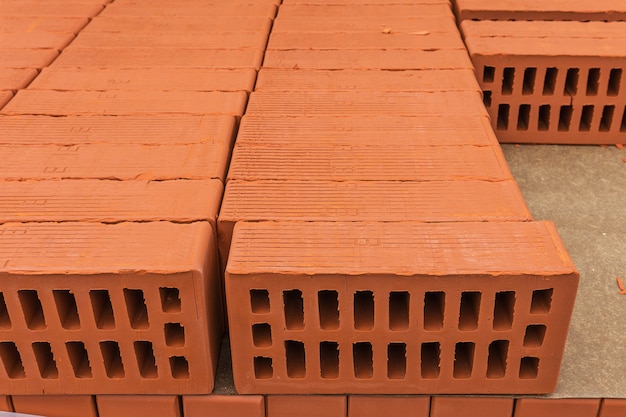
133	405
141	9
56	405
539	407
397	24
16	78
5	96
172	39
26	22
446	406
300	405
198	24
35	40
224	405
390	406
27	58
288	11
52	9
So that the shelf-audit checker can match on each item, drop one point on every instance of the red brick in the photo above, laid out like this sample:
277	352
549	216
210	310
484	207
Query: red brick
171	39
471	406
363	23
35	40
5	403
27	58
543	29
191	24
36	8
141	9
134	405
306	406
387	405
49	24
224	405
612	407
16	78
548	407
381	11
56	405
5	96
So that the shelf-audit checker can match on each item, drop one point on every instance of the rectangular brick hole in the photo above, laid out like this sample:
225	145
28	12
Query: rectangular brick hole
170	300
496	362
293	309
5	320
543	123
45	360
586	118
67	309
396	360
622	127
263	367
434	304
463	360
112	358
529	368
487	98
430	359
102	309
296	359
179	367
174	334
503	310
12	360
535	333
33	311
262	335
328	306
607	118
541	301
260	301
593	81
523	117
528	86
363	310
549	81
362	356
615	81
79	359
571	82
470	308
329	360
565	118
489	74
503	117
145	359
399	302
508	77
136	308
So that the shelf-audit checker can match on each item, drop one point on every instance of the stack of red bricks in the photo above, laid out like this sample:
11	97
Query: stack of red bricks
552	72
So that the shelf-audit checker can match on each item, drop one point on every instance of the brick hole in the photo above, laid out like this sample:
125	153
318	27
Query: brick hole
487	98
296	359
622	127
565	118
528	86
535	333
586	118
543	123
363	310
399	302
396	360
79	359
593	81
549	81
329	360
33	311
5	320
293	308
615	81
102	309
571	82
463	360
529	368
262	335
174	334
362	356
523	117
67	309
328	306
136	308
469	310
430	360
45	360
434	304
508	77
496	362
263	367
260	301
170	299
489	74
179	367
541	301
503	310
145	359
112	358
607	118
503	117
12	360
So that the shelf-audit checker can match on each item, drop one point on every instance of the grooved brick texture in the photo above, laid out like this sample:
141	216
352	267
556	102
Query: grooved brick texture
51	9
306	406
198	24
224	405
390	406
542	407
27	58
362	23
55	405
172	39
16	78
35	40
26	22
134	405
211	10
471	407
380	11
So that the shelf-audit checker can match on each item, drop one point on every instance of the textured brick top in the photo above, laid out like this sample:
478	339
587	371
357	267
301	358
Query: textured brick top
544	29
489	46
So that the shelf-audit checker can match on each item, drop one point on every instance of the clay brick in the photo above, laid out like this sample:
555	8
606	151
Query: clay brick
190	24
109	201
27	58
390	406
141	9
543	29
58	103
359	130
305	79
5	403
56	405
338	308
127	308
170	79
360	103
133	405
612	407
115	162
378	10
35	40
171	39
49	9
351	2
471	407
16	78
306	406
164	129
363	23
549	407
48	24
224	405
5	96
